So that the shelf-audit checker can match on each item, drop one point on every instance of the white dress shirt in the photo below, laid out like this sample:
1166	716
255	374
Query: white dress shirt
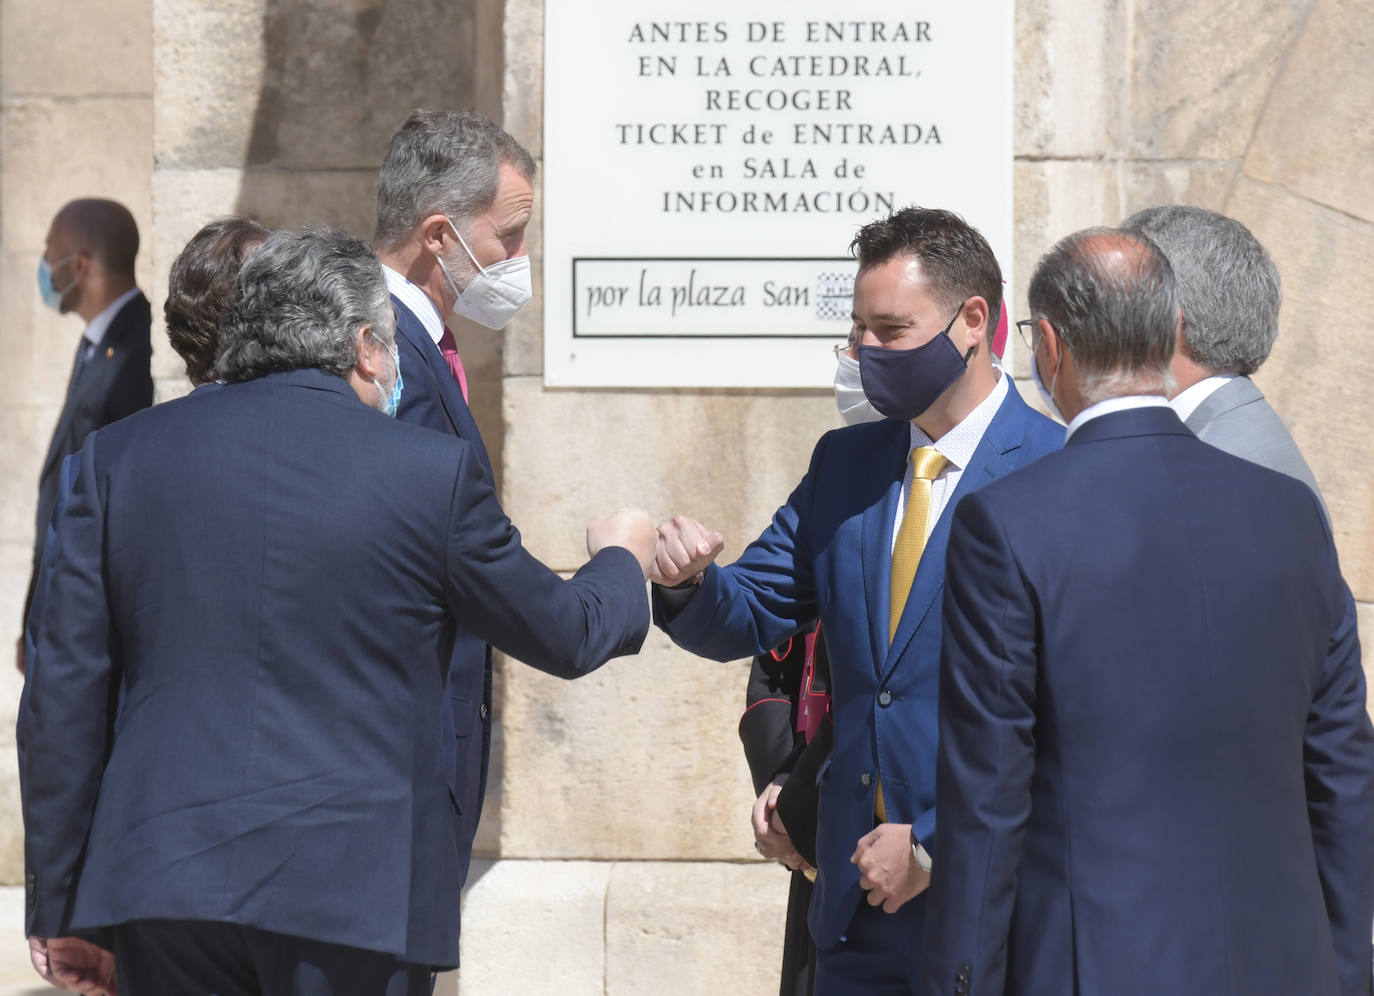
100	324
1113	405
1187	401
417	301
957	447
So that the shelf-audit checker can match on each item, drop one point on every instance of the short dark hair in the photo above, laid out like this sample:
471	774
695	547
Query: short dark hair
103	229
1109	294
442	162
202	285
955	259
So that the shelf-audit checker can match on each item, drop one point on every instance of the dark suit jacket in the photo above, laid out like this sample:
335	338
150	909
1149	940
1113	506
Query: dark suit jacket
114	382
267	569
828	552
1156	769
431	397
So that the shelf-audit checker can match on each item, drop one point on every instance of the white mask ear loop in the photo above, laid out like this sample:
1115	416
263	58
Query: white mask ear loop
463	242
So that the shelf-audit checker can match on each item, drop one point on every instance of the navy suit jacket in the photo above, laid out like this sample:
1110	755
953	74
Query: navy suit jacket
1156	770
266	569
431	397
114	382
828	552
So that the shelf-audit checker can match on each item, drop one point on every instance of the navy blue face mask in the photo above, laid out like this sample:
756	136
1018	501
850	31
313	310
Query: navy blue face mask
903	383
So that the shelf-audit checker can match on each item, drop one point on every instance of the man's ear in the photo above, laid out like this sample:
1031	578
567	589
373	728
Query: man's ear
368	352
1053	346
976	329
432	233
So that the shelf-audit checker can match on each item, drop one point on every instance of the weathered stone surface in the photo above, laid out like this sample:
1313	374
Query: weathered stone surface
524	74
1150	183
1199	73
14	576
1315	380
640	760
1317	132
17	977
523	340
1068	54
694	929
534	927
76	49
727	458
302	86
28	430
59	150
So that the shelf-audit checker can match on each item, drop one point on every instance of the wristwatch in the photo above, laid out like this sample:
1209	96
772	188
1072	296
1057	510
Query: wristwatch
919	852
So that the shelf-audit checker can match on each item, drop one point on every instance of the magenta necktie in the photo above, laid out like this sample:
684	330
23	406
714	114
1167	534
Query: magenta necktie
449	347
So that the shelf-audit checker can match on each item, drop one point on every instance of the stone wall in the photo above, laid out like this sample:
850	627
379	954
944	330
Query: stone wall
618	857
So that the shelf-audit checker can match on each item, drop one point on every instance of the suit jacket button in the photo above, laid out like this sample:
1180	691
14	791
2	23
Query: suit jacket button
483	711
865	779
884	698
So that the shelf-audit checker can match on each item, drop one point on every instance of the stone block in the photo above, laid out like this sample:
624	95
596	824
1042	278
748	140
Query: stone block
27	432
16	558
534	927
1316	134
303	86
59	150
76	49
523	103
639	760
17	977
1198	80
1065	52
727	458
691	929
523	340
1316	381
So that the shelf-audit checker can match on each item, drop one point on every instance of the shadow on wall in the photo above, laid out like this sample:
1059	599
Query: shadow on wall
338	79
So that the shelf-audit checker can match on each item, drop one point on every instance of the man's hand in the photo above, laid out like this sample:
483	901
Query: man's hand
75	965
887	868
685	547
770	836
631	528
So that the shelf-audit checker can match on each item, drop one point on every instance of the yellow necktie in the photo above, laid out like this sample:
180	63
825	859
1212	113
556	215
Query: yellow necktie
926	464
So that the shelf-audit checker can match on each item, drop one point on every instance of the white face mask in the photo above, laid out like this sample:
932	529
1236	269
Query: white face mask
496	293
849	394
1046	393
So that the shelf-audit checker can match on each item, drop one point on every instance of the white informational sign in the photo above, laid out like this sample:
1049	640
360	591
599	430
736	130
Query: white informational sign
703	178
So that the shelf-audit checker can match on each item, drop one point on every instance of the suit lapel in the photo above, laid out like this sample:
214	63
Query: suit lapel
990	461
877	540
450	396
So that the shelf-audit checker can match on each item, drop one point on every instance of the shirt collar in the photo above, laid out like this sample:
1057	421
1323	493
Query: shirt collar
1189	399
100	324
957	445
417	301
1111	406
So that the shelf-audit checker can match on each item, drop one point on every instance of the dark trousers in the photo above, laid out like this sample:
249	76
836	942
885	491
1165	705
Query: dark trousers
878	956
199	958
798	950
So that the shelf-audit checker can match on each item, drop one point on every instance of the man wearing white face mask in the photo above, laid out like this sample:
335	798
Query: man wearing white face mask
453	198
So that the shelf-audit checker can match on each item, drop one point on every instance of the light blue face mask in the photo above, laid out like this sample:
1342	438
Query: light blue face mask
394	402
52	297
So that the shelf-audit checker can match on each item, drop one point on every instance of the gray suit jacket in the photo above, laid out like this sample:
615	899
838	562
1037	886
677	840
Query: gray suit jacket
1237	419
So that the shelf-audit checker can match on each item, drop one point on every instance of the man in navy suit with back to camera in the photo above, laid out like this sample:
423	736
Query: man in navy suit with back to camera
266	810
860	543
87	268
1156	769
454	196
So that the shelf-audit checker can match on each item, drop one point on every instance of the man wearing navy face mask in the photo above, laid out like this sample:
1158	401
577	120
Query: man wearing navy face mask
861	543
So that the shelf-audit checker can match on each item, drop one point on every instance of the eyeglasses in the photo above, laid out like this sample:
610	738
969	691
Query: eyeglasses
840	349
1026	329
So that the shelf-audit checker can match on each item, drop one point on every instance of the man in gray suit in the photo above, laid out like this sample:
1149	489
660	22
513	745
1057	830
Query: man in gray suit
1228	291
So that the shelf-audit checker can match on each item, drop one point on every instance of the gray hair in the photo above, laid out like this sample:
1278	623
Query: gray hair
1110	296
1228	287
442	162
301	299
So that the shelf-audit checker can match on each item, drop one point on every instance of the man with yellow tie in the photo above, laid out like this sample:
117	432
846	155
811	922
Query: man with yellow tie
861	545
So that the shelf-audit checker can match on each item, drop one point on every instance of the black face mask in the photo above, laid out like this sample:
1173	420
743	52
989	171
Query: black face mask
903	383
